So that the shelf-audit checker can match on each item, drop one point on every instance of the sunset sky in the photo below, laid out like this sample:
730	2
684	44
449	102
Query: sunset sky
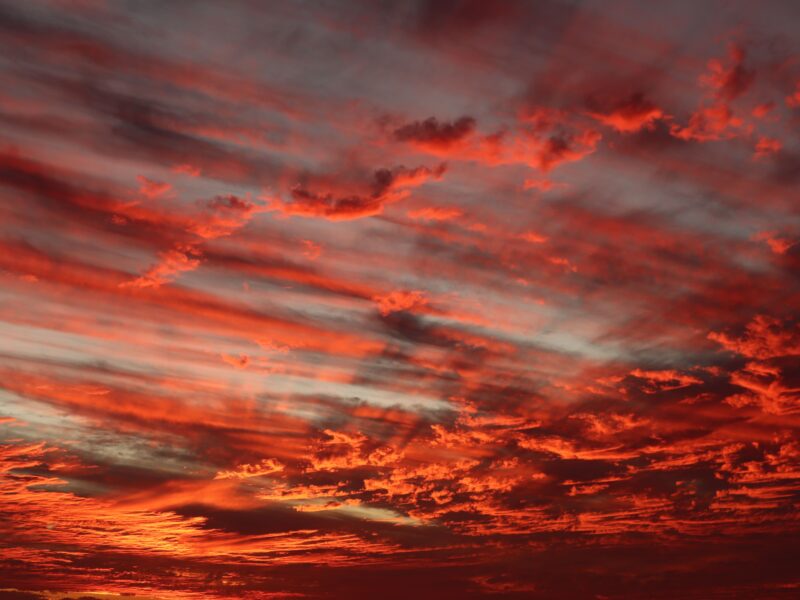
431	299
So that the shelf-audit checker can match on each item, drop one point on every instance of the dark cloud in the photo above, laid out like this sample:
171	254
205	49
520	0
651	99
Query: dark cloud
431	132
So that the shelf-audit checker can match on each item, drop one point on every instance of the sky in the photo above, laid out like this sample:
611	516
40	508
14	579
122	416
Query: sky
446	299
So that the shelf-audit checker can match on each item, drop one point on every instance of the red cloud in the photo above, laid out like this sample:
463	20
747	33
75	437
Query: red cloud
779	245
239	362
298	417
725	84
728	82
187	169
399	300
710	123
564	148
793	100
435	213
387	186
764	337
172	262
630	115
221	217
767	147
152	189
665	380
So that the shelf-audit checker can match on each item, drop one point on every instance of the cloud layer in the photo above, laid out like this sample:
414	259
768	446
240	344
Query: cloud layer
453	299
